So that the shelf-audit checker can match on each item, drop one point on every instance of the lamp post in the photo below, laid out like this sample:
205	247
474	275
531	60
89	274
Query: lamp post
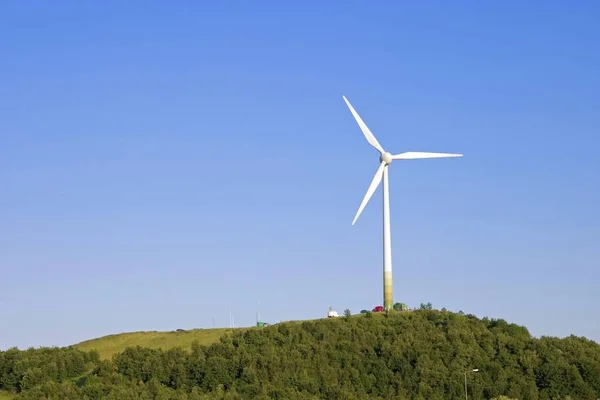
472	370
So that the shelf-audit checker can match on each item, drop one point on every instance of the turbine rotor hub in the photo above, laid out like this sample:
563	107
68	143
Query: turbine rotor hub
386	158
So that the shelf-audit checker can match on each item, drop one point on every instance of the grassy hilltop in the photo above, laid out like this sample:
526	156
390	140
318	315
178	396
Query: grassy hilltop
416	355
107	346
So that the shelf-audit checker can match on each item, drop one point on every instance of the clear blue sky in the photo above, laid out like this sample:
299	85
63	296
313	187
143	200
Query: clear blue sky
162	164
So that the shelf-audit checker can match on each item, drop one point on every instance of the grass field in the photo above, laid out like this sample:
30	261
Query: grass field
107	346
5	396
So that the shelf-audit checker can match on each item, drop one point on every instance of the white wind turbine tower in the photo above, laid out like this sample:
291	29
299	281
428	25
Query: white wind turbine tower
382	172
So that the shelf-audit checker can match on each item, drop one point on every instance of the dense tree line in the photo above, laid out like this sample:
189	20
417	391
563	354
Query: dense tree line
420	354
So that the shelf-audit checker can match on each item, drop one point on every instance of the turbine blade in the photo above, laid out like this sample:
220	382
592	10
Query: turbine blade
413	155
374	183
364	128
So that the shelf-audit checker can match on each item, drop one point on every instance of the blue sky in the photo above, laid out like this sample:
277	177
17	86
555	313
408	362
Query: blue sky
162	164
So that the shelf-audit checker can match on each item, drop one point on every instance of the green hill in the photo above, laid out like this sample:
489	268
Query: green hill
416	355
109	345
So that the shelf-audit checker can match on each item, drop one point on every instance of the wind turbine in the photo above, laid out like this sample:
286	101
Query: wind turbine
386	159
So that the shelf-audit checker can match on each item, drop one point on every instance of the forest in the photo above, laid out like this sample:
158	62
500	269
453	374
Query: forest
420	354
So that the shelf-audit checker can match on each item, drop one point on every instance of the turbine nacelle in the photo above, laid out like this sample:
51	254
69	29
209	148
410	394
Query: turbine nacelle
386	158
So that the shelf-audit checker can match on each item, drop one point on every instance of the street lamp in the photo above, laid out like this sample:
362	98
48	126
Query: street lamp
473	370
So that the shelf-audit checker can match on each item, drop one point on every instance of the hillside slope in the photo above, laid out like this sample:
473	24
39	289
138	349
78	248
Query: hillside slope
109	345
406	355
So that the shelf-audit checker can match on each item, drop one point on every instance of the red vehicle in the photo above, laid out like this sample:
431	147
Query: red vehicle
378	309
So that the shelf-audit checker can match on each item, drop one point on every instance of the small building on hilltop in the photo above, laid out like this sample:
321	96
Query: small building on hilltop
332	313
